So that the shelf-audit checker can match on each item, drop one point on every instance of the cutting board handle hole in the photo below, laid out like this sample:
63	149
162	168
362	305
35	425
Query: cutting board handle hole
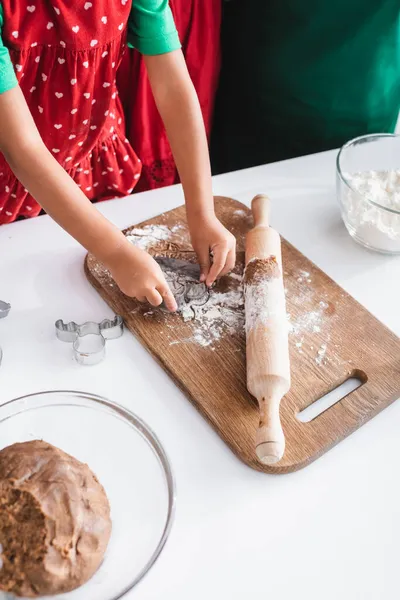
312	411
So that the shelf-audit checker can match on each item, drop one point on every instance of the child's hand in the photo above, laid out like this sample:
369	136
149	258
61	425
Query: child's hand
139	276
180	110
210	236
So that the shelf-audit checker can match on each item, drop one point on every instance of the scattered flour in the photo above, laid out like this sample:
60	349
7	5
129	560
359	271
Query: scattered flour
149	235
221	315
310	321
210	320
321	354
235	276
373	225
304	275
223	312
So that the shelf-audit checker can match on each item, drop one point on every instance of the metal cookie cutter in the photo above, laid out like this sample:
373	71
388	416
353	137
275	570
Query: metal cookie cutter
89	339
5	308
183	278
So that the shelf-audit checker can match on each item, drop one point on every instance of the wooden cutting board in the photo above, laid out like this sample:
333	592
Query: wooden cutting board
332	338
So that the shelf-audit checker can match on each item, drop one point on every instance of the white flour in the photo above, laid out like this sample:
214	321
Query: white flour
321	354
313	321
223	313
219	316
309	321
265	300
149	235
375	226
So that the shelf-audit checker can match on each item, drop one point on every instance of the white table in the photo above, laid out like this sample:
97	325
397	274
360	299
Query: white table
329	531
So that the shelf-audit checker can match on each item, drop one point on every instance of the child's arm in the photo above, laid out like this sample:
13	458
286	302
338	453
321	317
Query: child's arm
136	273
179	107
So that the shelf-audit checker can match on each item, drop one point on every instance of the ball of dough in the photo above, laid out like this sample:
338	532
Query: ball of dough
54	520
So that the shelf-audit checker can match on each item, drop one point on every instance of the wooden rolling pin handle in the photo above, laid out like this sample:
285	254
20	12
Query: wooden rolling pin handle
261	209
270	440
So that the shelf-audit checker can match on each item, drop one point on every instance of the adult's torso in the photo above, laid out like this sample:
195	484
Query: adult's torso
318	71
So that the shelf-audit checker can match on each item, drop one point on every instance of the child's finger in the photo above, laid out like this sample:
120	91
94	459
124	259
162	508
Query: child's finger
154	297
219	260
204	263
230	262
168	298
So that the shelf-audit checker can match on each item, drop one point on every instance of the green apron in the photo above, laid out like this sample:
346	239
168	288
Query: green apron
303	76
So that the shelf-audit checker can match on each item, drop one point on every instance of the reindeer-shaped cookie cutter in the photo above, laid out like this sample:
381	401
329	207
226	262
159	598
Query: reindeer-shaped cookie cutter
5	308
89	339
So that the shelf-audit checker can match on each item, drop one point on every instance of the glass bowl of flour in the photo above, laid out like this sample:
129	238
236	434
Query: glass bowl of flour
368	190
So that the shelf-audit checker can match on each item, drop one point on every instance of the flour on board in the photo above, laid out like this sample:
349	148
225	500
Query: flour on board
223	313
309	321
321	354
148	236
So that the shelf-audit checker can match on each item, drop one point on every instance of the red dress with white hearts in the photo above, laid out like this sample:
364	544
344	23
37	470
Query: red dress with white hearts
66	55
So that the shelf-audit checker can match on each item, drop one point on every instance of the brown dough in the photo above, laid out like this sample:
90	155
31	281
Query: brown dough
54	520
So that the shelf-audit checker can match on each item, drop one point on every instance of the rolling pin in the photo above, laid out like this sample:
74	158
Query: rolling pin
267	349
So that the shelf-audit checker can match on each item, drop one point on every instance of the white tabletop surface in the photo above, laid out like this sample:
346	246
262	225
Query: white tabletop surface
326	532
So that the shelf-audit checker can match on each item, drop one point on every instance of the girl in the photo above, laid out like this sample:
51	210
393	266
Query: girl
62	129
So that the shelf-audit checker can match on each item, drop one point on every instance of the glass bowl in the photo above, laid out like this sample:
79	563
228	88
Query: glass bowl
370	219
129	462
